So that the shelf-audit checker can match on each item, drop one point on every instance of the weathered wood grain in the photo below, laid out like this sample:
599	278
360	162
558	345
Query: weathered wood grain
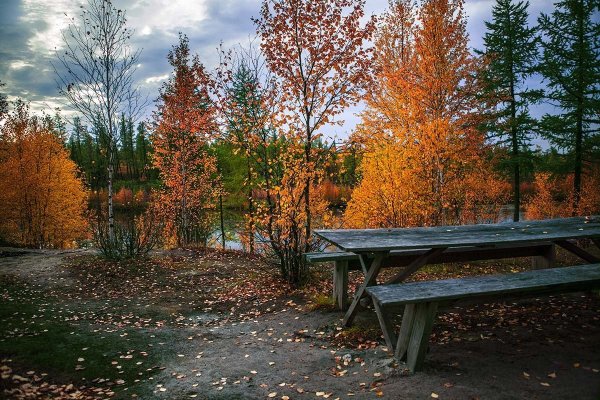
406	326
419	335
580	277
401	258
387	327
565	244
340	284
365	240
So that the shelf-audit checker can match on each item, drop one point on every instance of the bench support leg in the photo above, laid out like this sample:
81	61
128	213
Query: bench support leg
546	259
340	284
424	315
386	326
405	329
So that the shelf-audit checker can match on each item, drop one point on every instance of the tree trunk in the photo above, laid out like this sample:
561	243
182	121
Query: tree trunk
250	210
579	113
111	215
515	155
222	220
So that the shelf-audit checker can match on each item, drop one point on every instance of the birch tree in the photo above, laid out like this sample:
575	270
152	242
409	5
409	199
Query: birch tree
95	73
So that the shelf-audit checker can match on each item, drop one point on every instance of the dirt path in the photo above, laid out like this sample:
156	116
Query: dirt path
41	267
544	348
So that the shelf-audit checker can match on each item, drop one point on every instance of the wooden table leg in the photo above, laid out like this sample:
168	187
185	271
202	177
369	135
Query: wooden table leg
340	284
370	279
546	259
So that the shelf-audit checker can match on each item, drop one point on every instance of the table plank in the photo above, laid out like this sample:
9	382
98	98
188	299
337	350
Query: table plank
582	276
365	240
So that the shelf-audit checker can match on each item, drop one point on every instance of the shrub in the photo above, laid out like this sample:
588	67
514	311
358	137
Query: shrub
131	240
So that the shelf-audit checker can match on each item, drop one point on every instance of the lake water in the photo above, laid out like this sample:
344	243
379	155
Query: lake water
234	224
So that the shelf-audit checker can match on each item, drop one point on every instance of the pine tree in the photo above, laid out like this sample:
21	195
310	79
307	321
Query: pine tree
142	150
3	102
511	51
571	68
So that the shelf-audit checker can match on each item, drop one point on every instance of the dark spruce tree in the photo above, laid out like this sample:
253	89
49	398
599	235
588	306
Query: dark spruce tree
511	51
571	69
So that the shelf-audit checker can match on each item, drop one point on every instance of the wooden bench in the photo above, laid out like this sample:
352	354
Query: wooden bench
543	257
422	299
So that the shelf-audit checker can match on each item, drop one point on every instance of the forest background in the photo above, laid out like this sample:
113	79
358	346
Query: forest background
445	137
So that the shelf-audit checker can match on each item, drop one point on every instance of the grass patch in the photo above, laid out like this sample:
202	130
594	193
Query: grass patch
49	337
323	302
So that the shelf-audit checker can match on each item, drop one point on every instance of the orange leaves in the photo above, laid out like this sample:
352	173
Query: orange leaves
43	201
554	196
185	122
317	50
425	161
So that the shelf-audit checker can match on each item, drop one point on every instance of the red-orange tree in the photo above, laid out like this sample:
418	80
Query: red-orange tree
426	162
317	51
184	124
42	200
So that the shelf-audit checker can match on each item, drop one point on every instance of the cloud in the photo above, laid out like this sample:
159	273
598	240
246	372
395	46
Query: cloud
30	32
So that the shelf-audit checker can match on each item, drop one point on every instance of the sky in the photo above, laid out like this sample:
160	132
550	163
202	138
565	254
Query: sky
30	35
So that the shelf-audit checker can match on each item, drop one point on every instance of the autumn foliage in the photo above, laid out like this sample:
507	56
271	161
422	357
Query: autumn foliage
425	162
43	200
317	52
185	122
554	196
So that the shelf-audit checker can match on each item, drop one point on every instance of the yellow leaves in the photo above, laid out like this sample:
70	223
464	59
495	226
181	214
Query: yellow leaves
44	200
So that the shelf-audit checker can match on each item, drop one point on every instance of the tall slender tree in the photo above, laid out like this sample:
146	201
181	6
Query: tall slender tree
318	52
3	102
511	52
571	68
95	73
185	122
142	150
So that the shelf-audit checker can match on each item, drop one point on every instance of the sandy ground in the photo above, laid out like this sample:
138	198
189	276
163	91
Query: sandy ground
545	348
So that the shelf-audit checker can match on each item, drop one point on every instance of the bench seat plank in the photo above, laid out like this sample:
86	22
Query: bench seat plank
421	300
559	279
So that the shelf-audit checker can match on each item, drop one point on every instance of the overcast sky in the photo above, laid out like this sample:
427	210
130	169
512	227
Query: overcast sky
30	32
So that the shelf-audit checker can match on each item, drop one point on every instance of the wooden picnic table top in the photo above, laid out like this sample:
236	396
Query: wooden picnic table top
373	240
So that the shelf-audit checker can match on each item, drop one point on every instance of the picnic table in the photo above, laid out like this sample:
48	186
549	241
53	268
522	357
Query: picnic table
377	247
373	245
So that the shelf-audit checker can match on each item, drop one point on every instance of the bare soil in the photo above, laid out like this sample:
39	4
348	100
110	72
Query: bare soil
223	326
